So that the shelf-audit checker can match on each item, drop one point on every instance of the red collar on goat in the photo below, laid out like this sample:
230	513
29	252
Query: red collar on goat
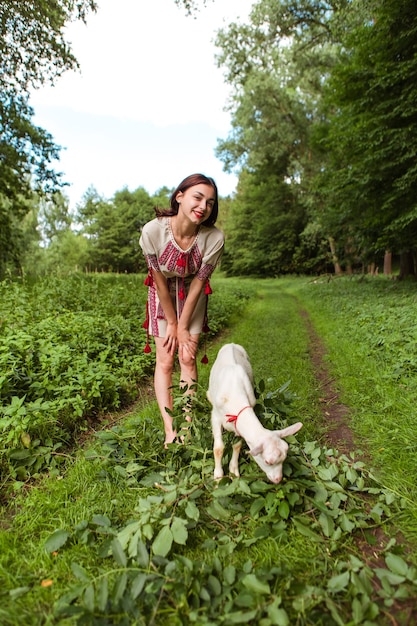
233	418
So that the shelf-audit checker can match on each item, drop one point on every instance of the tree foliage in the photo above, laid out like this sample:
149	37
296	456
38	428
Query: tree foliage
371	129
324	100
112	227
276	65
33	50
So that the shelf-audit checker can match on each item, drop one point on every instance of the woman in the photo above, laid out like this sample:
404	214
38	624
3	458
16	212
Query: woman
182	248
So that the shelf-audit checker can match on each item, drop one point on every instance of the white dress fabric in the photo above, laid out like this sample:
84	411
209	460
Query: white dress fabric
163	254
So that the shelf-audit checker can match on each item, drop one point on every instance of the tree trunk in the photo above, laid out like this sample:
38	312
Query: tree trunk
406	265
337	268
387	262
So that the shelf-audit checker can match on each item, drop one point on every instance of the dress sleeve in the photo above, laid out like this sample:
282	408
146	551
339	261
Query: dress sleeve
149	243
212	254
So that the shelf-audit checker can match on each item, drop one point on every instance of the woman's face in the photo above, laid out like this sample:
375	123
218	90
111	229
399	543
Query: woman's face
196	203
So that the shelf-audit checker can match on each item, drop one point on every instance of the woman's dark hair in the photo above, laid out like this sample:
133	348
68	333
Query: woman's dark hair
191	181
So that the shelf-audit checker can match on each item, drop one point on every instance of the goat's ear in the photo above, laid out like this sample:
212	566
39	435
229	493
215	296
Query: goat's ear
290	430
257	450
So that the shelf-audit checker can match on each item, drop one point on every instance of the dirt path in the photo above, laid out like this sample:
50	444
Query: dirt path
341	437
335	414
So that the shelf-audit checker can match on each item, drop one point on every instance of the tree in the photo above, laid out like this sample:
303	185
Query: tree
33	51
262	227
113	228
371	133
276	64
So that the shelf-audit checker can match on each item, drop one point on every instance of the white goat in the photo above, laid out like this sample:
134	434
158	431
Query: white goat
232	398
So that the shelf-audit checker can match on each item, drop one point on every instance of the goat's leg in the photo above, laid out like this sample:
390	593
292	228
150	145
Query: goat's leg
218	447
234	461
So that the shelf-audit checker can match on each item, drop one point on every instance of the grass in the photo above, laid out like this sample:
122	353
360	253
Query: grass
369	330
113	478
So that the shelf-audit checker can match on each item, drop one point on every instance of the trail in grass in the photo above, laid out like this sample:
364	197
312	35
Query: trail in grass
276	338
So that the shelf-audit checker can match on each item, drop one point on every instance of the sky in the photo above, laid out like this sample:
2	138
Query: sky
147	107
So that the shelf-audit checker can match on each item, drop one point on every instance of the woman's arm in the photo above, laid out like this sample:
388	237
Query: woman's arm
171	339
185	341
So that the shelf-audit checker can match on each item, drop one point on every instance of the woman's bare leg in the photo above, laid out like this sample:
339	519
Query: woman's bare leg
189	373
162	384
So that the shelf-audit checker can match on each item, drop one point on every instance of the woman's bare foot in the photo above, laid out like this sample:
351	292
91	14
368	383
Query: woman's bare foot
169	438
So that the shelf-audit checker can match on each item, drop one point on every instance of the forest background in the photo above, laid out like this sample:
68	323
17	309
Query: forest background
323	139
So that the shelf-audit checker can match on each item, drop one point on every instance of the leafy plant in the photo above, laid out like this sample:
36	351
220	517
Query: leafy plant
71	349
187	552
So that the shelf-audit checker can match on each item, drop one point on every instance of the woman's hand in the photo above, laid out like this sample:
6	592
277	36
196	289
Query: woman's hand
187	346
171	338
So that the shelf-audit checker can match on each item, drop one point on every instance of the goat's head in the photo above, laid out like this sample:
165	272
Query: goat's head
272	452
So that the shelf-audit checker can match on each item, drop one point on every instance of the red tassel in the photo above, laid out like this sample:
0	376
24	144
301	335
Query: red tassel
208	290
147	349
204	359
182	261
181	294
148	280
145	324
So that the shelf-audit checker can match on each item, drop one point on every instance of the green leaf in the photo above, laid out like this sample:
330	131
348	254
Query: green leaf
214	585
306	530
334	486
80	573
118	553
102	595
339	582
256	506
138	585
216	511
357	611
396	564
345	523
284	509
334	612
393	579
241	617
89	598
56	540
327	524
278	616
142	554
252	583
179	531
127	532
192	511
18	591
119	588
229	574
163	542
101	520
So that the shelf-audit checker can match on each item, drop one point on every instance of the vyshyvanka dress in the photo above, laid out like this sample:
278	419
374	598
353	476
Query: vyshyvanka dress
163	254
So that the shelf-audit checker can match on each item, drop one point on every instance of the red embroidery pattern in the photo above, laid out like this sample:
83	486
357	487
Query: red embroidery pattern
152	262
205	272
173	259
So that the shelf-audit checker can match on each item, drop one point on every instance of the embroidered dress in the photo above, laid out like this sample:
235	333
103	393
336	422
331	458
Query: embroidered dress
163	254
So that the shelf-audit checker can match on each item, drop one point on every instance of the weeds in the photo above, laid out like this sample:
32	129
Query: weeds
186	553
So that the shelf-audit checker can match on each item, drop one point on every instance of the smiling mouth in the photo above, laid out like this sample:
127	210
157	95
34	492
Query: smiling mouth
199	215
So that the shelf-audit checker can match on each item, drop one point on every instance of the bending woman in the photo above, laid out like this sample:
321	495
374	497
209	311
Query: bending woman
182	248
